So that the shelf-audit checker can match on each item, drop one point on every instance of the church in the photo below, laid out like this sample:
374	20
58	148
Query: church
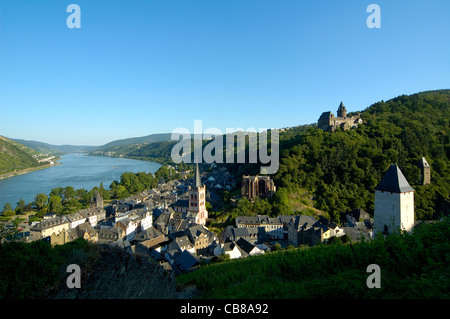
394	203
197	212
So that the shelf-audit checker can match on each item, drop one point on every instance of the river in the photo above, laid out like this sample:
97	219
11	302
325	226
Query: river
77	170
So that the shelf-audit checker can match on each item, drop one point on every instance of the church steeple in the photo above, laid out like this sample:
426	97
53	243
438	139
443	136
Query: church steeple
197	212
198	181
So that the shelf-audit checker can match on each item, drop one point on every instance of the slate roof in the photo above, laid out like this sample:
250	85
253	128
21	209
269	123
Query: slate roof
147	234
358	214
51	222
245	245
181	203
300	221
186	260
394	181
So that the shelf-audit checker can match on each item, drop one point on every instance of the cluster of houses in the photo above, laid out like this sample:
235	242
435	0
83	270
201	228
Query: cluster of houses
297	230
168	224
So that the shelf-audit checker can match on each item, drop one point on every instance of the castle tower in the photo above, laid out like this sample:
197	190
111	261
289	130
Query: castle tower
341	112
394	203
426	171
197	212
96	200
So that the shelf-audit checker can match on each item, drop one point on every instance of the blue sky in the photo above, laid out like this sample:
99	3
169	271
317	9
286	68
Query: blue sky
142	67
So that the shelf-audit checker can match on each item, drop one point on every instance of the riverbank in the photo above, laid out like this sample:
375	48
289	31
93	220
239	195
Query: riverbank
27	170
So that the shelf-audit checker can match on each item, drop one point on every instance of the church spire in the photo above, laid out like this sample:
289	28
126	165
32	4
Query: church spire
198	181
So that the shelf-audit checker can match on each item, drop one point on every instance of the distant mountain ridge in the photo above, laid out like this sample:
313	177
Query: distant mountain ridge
159	137
42	147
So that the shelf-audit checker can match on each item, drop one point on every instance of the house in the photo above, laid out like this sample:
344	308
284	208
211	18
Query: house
162	222
182	206
274	229
285	219
181	243
49	216
230	249
273	226
75	219
251	234
48	227
201	237
150	238
333	228
143	217
85	231
296	228
93	215
110	235
186	261
248	247
355	216
248	221
256	234
175	225
129	226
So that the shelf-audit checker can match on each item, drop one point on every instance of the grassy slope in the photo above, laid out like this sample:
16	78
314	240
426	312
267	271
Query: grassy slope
14	156
412	266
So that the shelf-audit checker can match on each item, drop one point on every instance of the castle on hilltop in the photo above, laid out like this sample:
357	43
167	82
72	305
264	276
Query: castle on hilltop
328	122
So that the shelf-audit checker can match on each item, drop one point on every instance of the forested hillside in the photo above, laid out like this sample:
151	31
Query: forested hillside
342	168
14	156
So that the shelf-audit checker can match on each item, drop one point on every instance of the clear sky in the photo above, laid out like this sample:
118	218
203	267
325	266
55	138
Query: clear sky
140	67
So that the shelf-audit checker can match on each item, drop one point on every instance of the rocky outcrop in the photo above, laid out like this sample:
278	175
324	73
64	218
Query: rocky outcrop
117	274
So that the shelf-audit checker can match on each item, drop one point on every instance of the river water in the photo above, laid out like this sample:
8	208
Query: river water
77	170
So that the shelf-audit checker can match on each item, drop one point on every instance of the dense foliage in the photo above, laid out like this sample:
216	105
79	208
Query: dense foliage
412	266
29	270
342	168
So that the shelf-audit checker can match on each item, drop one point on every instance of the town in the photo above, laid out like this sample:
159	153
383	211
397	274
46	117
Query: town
169	223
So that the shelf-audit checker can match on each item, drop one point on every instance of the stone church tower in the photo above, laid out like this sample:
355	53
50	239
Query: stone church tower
197	212
394	203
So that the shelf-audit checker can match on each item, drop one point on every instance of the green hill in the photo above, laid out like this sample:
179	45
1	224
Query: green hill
154	147
411	266
341	169
15	156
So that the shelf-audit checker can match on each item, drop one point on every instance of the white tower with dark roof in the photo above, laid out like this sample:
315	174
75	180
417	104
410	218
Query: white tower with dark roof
394	203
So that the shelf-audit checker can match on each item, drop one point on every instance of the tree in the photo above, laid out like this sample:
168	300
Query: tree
55	204
7	208
282	205
68	193
58	191
40	202
20	208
